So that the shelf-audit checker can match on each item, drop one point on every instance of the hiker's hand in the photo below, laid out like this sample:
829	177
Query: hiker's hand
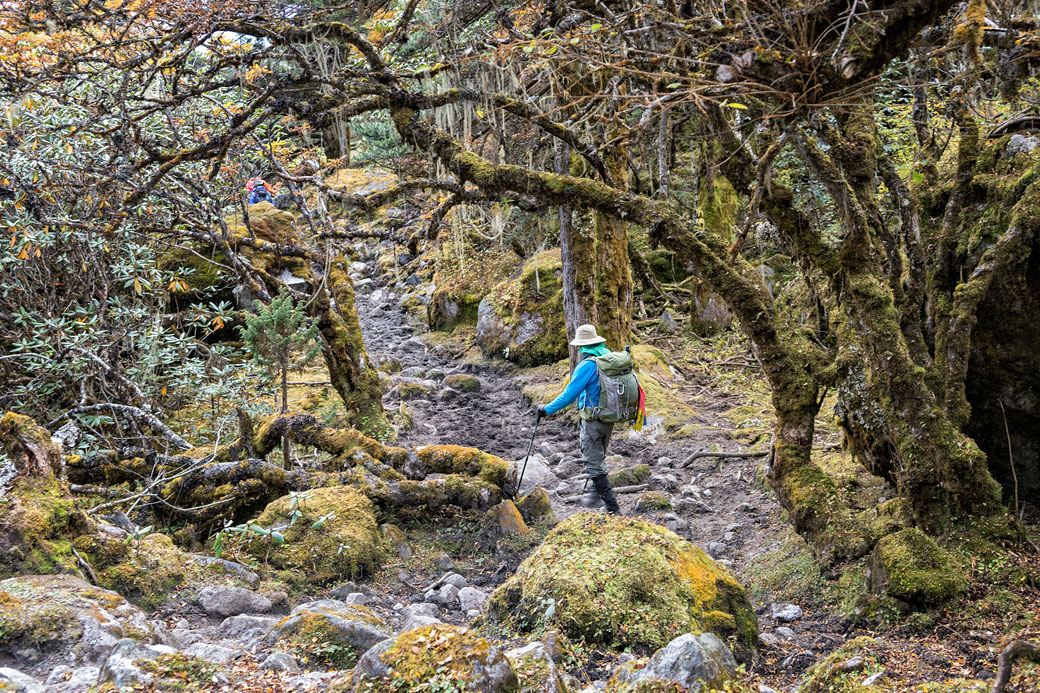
541	411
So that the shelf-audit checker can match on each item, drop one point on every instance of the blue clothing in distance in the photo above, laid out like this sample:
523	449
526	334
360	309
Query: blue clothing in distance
583	387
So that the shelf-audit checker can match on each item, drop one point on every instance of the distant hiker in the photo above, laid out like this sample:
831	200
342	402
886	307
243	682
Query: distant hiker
607	392
258	191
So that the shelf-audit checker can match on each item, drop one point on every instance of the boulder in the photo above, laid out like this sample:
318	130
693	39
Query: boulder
47	620
335	536
508	519
690	661
908	565
446	596
536	507
244	627
463	382
280	661
521	319
455	579
214	654
226	600
145	571
536	670
123	665
328	632
785	613
471	598
17	682
537	474
624	582
438	656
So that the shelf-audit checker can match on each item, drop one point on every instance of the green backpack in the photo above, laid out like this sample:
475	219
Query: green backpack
618	389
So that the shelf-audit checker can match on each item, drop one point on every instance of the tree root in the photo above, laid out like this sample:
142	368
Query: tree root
1018	648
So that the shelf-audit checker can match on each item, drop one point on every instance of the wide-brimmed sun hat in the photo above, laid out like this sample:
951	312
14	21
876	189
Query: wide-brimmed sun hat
586	335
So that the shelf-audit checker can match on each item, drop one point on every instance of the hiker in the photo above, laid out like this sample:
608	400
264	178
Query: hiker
597	423
258	191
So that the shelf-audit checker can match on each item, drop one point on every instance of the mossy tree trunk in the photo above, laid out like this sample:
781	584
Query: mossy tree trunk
351	372
597	277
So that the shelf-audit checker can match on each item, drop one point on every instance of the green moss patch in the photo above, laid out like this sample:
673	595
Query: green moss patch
623	582
145	571
843	670
38	520
456	459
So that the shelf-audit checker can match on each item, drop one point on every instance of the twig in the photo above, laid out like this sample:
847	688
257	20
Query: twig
722	455
1018	648
1011	458
86	566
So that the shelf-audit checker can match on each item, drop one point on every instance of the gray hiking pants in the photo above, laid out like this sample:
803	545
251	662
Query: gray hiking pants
593	440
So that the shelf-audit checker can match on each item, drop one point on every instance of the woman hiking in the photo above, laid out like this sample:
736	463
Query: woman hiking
584	388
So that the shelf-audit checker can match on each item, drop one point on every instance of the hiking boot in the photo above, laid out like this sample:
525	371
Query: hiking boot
591	499
604	491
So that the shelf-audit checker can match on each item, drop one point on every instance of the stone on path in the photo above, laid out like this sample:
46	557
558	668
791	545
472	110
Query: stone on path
226	600
785	613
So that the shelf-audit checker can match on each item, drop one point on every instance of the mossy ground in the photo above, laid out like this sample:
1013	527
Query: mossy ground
624	583
346	544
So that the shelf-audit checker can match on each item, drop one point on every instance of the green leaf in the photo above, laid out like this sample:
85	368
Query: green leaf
738	106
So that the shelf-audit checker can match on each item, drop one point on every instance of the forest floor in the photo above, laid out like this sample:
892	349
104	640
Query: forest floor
738	520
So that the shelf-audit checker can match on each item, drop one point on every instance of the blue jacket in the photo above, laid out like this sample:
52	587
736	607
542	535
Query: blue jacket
583	387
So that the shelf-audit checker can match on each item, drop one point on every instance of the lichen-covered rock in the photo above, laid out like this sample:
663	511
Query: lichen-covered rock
16	681
535	669
126	663
508	519
60	619
439	654
624	582
536	507
228	600
908	565
522	318
328	632
690	661
335	535
145	571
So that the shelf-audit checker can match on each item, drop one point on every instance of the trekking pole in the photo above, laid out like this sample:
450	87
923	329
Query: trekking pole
529	448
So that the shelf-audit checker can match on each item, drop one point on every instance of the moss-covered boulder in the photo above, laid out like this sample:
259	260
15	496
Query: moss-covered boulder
651	501
146	571
630	476
328	633
536	671
624	582
327	534
463	382
522	318
461	281
438	657
47	620
908	565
